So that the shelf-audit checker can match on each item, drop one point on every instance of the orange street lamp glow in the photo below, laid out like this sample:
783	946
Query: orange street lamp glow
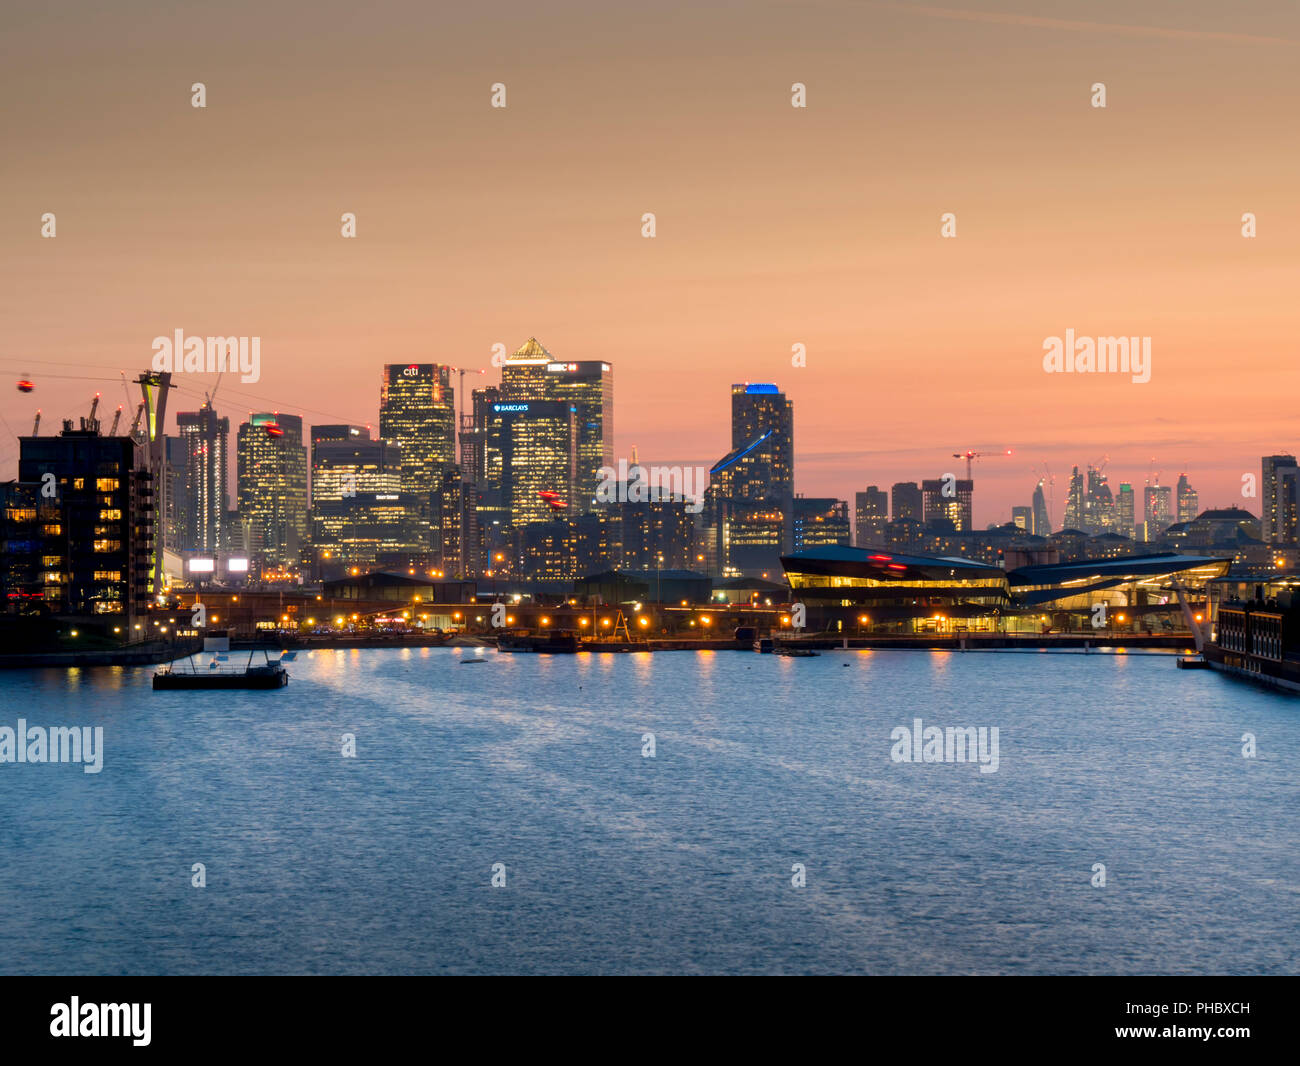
582	622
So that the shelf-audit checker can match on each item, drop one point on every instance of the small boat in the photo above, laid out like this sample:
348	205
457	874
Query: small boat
470	660
1193	662
271	674
797	653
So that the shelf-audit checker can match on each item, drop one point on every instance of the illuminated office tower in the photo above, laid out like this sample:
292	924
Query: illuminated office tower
1042	521
1188	500
474	438
951	499
820	522
538	442
1075	503
589	387
657	535
272	483
176	502
1278	521
417	411
1158	511
905	499
749	506
762	433
460	536
1023	518
358	509
523	374
872	515
1126	511
1099	504
480	449
206	481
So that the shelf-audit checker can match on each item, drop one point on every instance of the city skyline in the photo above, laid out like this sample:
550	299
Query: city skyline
998	479
826	233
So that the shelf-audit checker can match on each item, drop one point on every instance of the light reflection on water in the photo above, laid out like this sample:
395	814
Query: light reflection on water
619	863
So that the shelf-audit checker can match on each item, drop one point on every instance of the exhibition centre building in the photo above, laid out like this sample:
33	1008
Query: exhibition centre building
860	590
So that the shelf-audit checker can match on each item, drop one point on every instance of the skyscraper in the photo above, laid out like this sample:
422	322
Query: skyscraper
480	454
589	387
523	374
1187	500
94	537
538	441
1126	511
271	464
417	410
358	509
461	537
206	480
1075	503
173	518
762	433
949	499
1041	524
1158	510
905	499
1099	505
871	516
1278	518
750	500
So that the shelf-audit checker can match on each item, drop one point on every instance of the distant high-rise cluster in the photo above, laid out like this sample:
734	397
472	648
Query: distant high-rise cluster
526	484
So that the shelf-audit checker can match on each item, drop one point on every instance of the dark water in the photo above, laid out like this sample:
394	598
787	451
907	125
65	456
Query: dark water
616	863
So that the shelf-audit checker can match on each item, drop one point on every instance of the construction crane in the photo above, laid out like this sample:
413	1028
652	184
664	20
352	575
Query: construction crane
36	426
210	396
90	423
135	422
460	417
972	456
116	419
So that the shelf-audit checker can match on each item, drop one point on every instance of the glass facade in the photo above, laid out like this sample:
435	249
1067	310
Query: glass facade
272	484
417	410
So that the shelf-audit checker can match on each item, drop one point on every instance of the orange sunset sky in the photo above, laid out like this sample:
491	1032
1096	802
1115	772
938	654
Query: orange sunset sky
775	225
